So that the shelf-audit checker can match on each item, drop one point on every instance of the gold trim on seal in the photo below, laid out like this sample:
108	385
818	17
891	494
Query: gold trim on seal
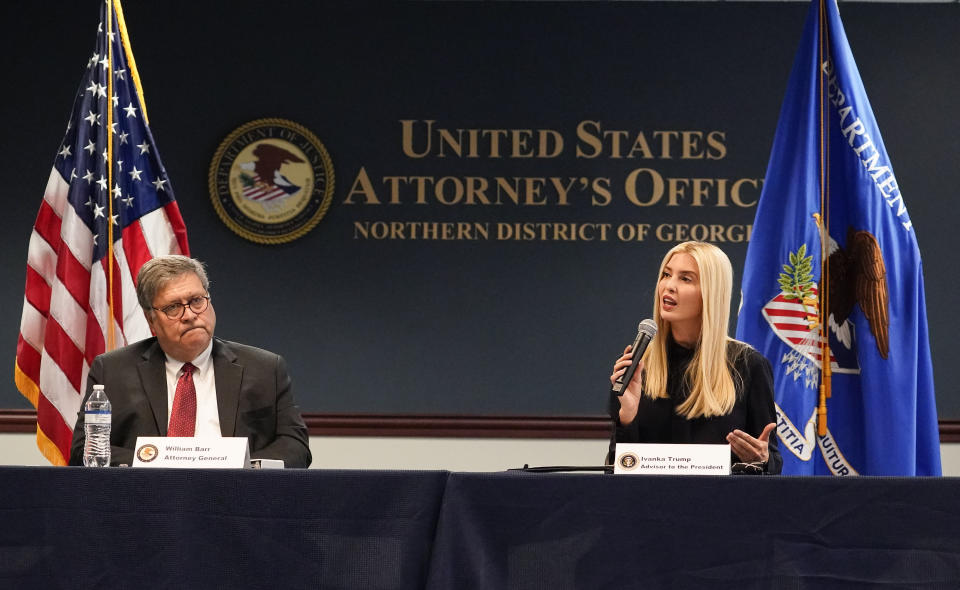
297	190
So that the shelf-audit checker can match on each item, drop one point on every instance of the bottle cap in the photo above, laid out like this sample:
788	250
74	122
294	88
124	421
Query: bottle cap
98	386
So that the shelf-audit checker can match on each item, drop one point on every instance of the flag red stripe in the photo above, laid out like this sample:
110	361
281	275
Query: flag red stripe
74	276
48	225
179	228
52	424
94	344
135	248
28	358
788	312
64	353
38	292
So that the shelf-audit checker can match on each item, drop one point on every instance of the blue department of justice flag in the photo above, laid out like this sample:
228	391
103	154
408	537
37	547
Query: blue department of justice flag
829	170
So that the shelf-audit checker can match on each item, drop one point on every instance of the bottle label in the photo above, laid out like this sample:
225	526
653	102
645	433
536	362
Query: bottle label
96	418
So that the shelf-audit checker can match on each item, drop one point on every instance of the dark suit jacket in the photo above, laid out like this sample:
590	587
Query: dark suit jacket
253	399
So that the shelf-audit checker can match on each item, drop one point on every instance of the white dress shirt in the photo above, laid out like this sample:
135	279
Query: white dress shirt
208	418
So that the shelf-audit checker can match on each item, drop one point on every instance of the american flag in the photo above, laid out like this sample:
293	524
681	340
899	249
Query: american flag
108	207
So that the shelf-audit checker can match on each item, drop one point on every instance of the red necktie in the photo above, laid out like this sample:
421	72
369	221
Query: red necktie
183	419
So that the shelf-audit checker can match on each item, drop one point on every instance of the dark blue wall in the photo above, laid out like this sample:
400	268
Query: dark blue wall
486	326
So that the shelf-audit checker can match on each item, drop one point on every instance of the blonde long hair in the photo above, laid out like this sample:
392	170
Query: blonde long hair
712	390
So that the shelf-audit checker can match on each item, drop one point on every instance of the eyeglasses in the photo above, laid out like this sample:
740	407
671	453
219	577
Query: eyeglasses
197	305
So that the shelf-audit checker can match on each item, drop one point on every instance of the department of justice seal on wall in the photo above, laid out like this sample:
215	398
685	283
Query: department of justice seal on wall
271	181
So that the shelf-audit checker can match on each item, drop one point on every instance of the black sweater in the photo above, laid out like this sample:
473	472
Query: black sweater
658	422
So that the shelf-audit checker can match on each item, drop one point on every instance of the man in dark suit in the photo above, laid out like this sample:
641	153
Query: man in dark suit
185	382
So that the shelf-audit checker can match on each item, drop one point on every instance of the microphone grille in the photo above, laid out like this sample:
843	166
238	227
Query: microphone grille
648	326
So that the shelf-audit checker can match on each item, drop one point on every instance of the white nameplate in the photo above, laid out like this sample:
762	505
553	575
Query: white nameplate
203	453
665	459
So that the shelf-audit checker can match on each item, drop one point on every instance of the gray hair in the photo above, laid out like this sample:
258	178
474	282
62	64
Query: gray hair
157	272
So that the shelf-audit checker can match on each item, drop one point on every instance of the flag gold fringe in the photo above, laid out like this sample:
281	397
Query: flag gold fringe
49	450
27	387
31	391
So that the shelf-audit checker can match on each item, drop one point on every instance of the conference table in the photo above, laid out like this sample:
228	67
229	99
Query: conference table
183	528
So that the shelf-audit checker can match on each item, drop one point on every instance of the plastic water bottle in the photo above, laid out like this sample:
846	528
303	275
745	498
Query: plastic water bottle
96	412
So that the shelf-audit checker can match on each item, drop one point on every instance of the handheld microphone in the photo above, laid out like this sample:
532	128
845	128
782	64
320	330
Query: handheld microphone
645	333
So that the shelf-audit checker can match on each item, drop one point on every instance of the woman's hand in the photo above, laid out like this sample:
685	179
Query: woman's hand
630	400
749	449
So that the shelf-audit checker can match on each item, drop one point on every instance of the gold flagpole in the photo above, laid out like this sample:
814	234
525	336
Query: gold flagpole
826	370
131	63
111	338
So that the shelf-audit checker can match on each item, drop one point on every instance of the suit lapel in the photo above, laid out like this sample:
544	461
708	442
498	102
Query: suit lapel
153	377
227	375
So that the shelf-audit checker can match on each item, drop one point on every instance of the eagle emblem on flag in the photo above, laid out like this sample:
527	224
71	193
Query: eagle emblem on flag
857	278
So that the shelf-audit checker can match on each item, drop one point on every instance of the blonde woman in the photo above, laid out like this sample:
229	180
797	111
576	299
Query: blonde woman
695	384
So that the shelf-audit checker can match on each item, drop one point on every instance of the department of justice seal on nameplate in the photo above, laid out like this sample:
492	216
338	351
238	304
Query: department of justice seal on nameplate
271	181
148	453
